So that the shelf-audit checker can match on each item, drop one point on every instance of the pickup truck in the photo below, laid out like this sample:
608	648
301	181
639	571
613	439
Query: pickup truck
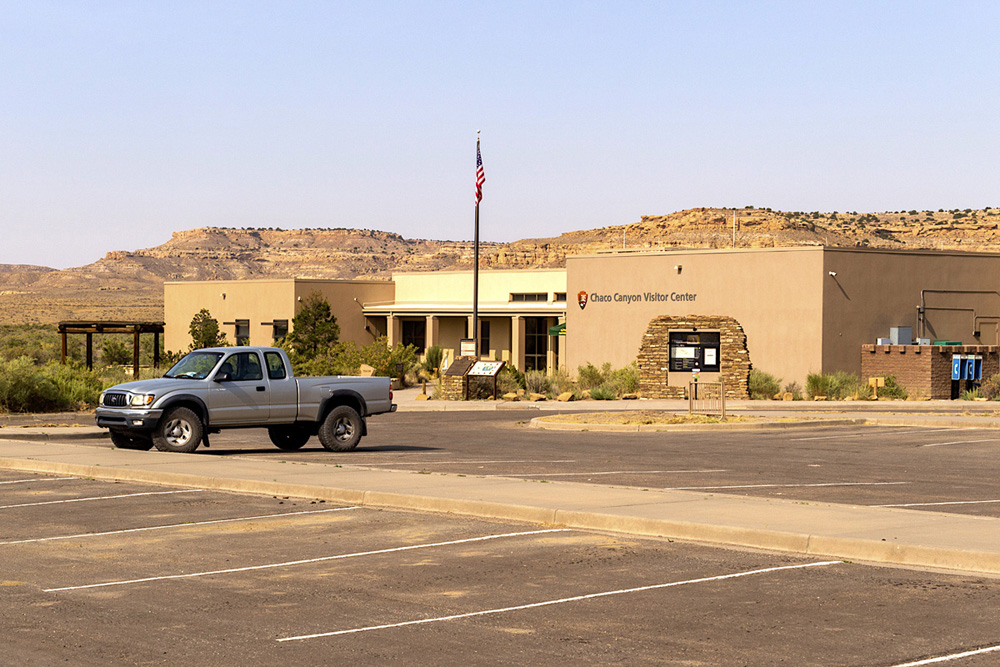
237	387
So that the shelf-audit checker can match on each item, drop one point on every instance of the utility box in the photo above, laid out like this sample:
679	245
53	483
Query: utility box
901	335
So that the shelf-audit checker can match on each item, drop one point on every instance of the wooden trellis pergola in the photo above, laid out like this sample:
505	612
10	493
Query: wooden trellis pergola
90	327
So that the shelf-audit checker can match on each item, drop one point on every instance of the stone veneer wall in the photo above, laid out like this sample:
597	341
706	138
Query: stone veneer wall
453	386
924	370
654	355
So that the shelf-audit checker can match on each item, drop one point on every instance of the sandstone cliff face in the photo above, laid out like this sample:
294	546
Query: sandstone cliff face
129	284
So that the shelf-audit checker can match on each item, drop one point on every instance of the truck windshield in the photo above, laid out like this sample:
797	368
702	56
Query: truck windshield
195	365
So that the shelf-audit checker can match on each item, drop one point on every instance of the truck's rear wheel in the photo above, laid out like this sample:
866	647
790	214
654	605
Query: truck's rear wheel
179	430
288	438
341	430
125	440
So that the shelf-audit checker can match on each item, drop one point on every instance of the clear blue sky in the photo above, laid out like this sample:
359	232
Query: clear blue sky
124	121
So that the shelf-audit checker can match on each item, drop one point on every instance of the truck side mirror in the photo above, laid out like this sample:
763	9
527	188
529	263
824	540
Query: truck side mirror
223	377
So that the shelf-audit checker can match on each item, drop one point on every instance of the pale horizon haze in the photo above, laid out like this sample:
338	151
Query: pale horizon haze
124	121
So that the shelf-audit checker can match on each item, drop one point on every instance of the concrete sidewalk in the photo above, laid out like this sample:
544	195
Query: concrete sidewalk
884	535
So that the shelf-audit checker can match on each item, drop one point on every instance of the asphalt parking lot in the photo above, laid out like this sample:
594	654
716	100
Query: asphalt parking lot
96	572
926	468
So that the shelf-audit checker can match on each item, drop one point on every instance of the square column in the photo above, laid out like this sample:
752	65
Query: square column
431	332
517	342
393	330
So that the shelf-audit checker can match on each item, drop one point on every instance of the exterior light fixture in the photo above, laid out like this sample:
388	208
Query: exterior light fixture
678	268
833	274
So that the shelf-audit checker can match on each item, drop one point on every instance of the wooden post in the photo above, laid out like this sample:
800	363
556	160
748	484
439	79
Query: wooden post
90	351
156	349
63	347
135	353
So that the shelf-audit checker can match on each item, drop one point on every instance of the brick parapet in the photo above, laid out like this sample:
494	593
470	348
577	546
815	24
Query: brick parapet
924	370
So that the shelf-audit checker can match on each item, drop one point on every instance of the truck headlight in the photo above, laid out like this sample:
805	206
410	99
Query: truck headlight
141	400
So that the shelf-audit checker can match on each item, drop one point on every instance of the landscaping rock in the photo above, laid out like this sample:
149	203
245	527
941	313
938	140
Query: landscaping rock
511	396
536	397
565	396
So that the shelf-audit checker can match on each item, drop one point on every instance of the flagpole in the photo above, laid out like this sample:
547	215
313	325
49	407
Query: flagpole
475	260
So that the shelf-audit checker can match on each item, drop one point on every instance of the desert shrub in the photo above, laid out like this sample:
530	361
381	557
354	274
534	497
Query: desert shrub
972	394
625	380
836	386
346	357
991	387
510	380
536	382
892	389
26	387
589	376
432	360
763	385
560	382
795	390
115	353
603	393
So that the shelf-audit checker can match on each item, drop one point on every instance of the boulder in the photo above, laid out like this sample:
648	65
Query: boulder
565	396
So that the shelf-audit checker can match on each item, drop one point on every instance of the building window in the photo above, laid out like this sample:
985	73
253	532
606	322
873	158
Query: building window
484	338
536	343
242	332
559	296
280	331
521	297
413	332
694	349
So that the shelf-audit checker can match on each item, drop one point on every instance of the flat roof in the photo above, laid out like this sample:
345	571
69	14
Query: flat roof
665	252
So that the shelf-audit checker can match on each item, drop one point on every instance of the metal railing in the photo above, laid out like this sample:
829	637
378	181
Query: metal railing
707	398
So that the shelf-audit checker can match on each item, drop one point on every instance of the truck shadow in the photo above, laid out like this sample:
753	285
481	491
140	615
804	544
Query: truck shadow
231	451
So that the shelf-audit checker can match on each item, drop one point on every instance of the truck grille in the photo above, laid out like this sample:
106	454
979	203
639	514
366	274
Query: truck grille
115	400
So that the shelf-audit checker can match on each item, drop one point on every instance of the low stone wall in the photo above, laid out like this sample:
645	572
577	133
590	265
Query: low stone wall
654	355
924	370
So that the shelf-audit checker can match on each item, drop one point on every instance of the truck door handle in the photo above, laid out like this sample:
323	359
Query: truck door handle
260	388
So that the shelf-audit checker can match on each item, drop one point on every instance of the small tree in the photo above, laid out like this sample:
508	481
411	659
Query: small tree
205	332
114	352
314	328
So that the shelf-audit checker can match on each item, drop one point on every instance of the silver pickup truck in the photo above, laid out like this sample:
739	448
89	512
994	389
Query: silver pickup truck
237	387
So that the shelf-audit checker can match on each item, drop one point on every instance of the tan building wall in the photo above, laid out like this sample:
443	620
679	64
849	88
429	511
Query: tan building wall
776	294
797	316
261	302
494	286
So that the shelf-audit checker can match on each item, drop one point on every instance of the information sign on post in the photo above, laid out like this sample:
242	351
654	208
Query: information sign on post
487	369
467	347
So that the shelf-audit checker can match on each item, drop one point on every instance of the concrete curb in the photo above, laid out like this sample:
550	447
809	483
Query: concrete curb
847	548
543	423
36	433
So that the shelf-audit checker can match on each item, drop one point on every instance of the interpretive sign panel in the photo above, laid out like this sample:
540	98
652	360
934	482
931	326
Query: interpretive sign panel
486	368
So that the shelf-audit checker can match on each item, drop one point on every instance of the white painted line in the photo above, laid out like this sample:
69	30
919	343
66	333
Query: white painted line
959	442
561	600
82	500
606	472
953	502
426	463
310	560
946	658
38	479
871	433
767	486
175	525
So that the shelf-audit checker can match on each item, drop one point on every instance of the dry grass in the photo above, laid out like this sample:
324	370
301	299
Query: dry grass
632	417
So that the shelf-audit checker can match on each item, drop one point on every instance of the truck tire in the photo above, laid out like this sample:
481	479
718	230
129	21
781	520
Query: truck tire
125	440
179	430
288	438
341	430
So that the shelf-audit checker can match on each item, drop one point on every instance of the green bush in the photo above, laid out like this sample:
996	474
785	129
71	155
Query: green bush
589	376
625	380
432	360
892	389
763	386
26	387
835	386
603	393
510	380
115	353
560	382
795	390
972	394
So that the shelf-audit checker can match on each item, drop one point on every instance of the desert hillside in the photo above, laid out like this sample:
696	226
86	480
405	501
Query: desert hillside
129	284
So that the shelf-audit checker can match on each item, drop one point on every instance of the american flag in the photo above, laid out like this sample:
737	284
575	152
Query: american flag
480	175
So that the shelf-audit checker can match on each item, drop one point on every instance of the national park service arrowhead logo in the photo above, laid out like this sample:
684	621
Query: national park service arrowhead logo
581	299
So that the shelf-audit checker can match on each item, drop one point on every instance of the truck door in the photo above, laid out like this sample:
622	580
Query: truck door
284	392
244	398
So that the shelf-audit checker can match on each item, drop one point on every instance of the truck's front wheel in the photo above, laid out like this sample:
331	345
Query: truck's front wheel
341	430
179	430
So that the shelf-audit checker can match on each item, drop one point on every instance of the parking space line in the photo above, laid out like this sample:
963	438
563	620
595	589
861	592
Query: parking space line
446	461
309	560
38	479
869	433
952	656
82	500
605	472
959	442
951	502
765	486
176	525
575	598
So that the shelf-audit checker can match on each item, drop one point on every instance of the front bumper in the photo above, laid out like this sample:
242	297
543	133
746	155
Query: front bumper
132	420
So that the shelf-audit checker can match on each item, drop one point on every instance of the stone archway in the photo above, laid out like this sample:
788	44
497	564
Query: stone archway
654	355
